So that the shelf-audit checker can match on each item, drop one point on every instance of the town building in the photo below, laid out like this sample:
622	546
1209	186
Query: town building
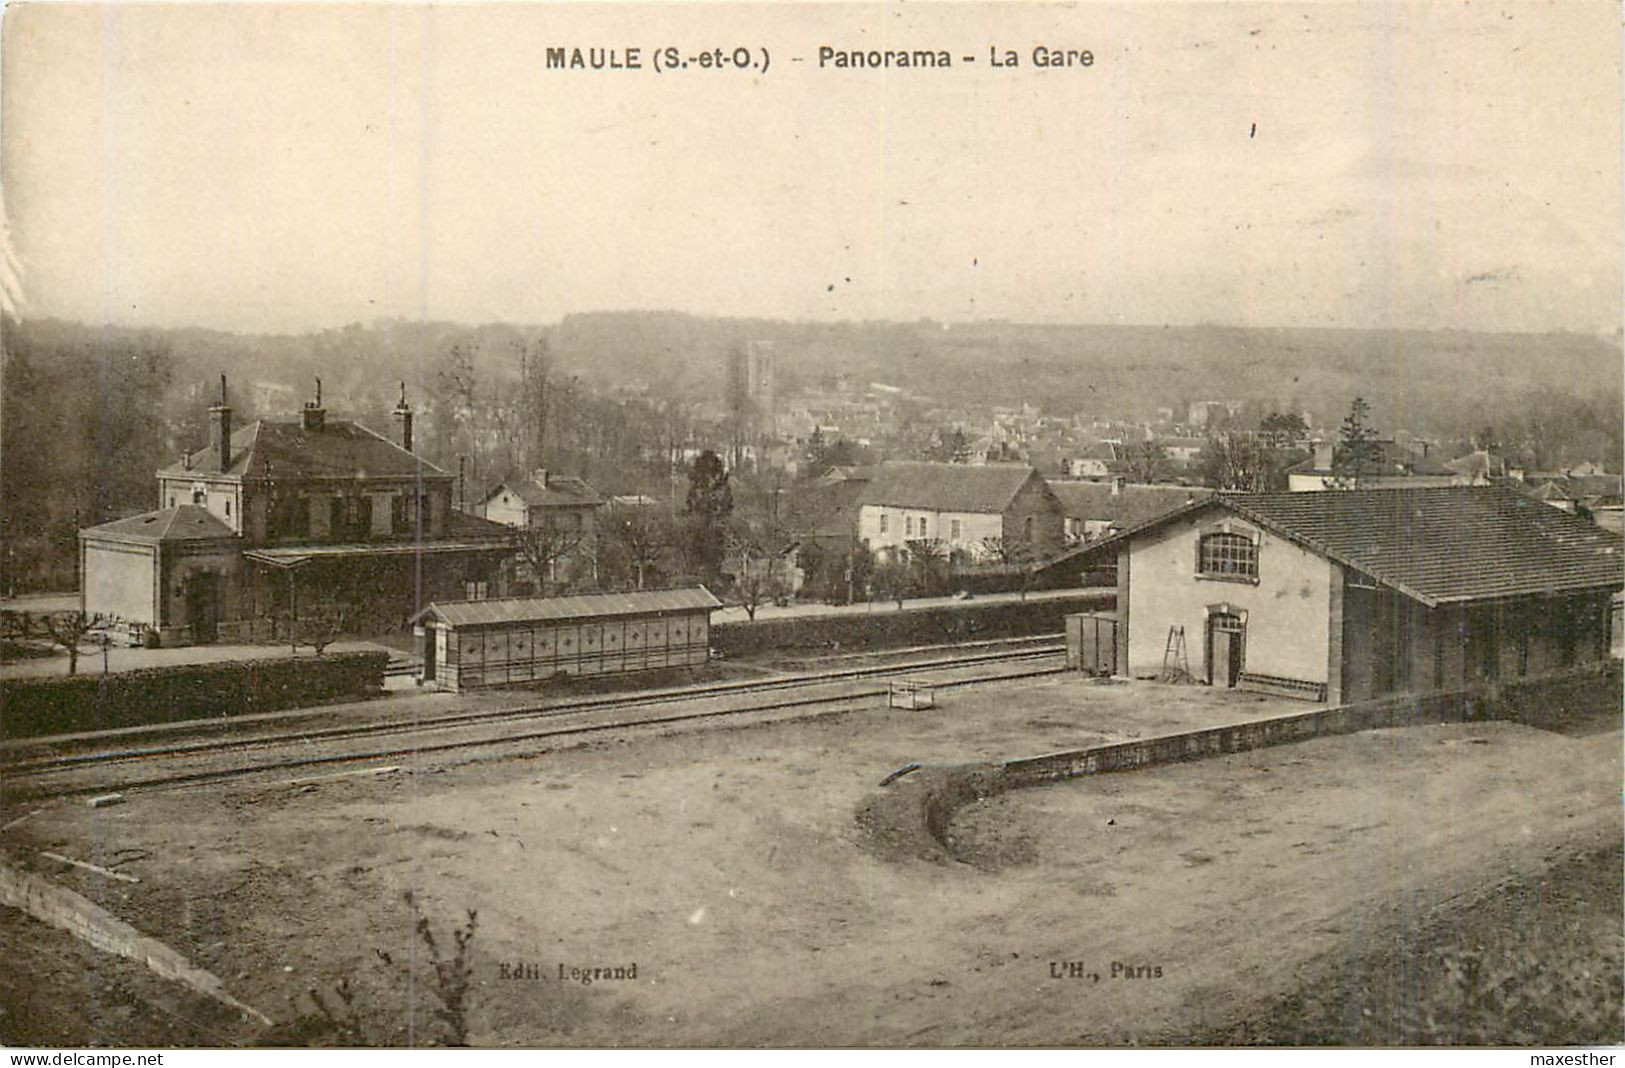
961	507
1342	596
1478	468
278	524
513	640
1393	466
1182	450
1095	510
1102	461
561	508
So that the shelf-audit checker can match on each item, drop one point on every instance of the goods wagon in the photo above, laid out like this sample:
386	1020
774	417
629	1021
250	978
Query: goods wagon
498	642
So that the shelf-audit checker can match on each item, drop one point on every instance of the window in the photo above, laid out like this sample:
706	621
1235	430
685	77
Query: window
883	522
953	530
922	526
1228	555
199	497
172	500
475	589
228	509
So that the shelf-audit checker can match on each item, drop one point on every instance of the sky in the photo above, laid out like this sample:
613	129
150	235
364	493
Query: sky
285	168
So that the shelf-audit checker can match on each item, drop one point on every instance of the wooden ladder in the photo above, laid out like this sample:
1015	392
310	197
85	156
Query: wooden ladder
1176	665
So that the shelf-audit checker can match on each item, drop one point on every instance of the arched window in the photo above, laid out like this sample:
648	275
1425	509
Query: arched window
1226	555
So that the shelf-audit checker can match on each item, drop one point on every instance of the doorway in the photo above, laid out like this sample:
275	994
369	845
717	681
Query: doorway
431	641
203	605
1226	637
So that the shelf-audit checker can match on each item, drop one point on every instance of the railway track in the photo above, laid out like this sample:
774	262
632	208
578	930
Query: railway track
219	759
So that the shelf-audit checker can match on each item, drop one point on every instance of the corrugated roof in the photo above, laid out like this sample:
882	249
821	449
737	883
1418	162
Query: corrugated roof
1443	544
561	491
186	522
580	606
946	487
340	449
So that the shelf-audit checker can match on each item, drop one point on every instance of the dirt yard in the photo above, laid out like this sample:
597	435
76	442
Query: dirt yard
728	867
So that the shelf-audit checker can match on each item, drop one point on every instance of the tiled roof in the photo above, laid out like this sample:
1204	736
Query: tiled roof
1605	488
460	524
1131	506
582	606
1393	460
1547	491
978	488
1102	450
186	522
849	473
340	449
561	491
822	510
1445	544
1479	464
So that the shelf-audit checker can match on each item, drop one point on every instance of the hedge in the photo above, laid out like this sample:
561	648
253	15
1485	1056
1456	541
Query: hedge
62	704
887	627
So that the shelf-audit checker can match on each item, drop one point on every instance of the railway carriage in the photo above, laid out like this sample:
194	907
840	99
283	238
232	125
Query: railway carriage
472	644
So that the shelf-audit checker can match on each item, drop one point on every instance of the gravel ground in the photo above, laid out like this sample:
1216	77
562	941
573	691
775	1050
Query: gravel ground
726	865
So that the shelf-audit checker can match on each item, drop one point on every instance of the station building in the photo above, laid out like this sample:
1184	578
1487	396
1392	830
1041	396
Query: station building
276	524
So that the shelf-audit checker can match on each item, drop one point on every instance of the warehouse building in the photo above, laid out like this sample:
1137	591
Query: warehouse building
1346	595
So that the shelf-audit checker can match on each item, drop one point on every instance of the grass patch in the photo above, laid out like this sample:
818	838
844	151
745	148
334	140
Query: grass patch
1534	962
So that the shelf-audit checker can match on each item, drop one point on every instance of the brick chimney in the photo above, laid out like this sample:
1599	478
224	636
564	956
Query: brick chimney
315	416
539	476
1323	456
403	416
220	429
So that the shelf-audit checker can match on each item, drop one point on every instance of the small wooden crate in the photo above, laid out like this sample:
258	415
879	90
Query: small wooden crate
910	693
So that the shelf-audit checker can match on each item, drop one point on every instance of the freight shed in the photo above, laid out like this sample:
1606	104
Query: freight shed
470	644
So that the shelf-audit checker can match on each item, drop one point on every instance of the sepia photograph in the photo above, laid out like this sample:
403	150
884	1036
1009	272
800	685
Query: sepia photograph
881	526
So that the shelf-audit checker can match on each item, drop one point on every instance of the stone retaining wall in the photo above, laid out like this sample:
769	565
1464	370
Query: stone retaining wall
912	816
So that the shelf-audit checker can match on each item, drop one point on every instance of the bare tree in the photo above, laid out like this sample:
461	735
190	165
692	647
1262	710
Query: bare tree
322	628
928	563
1234	461
891	577
757	585
459	384
752	548
68	629
643	537
1147	462
535	363
544	546
1017	554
